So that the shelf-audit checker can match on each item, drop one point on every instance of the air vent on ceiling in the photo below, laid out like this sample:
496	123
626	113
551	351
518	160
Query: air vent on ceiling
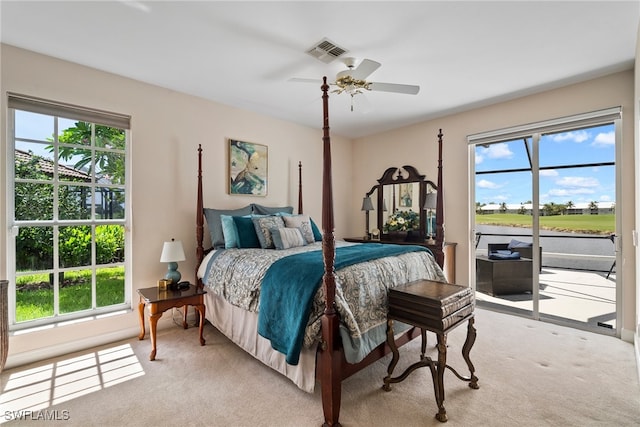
326	51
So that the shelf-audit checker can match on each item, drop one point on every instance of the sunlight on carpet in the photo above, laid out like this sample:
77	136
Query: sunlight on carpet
28	393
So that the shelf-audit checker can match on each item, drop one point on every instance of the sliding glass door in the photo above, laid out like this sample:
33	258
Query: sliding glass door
545	220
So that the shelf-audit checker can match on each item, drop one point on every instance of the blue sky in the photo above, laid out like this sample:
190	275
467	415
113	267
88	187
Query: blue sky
557	185
39	127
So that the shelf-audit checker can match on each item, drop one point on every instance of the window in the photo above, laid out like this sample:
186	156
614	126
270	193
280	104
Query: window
68	211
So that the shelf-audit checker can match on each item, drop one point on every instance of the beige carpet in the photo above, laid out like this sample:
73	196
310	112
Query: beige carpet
531	374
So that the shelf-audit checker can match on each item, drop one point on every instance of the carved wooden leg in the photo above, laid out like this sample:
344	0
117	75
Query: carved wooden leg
423	348
466	348
439	383
153	325
141	314
185	310
201	309
396	355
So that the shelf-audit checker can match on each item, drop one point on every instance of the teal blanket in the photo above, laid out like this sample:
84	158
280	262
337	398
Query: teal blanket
290	284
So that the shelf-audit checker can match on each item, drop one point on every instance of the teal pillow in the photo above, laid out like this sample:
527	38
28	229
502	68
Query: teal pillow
247	237
317	235
230	231
215	224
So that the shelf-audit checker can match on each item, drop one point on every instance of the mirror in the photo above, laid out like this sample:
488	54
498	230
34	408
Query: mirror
398	202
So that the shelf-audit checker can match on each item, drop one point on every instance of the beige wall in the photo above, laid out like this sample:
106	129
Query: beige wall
417	146
166	130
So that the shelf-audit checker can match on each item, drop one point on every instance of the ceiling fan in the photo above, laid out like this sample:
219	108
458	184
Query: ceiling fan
353	80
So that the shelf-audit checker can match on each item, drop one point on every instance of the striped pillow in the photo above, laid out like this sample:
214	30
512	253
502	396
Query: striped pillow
285	238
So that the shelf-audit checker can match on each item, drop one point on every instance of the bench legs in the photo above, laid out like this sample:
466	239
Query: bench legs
437	367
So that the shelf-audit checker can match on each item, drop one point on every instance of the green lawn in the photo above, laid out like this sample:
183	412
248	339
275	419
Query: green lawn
595	224
34	296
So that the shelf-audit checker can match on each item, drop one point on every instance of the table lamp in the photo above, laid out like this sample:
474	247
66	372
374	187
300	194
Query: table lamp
430	203
172	252
367	206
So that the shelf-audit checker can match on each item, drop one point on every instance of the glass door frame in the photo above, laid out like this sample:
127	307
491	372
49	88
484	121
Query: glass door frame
534	131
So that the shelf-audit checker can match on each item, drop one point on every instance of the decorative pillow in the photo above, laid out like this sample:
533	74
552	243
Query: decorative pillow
317	235
230	231
267	210
285	238
504	255
263	226
519	244
303	222
214	223
247	237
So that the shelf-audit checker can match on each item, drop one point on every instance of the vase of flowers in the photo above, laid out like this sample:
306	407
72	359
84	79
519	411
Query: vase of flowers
401	223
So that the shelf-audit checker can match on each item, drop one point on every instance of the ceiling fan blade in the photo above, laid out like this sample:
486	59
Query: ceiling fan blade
303	80
365	68
397	88
361	104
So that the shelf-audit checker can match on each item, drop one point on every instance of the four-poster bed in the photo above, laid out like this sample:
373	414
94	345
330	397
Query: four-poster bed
332	358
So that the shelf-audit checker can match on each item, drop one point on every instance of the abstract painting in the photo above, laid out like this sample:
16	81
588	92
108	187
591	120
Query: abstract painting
247	168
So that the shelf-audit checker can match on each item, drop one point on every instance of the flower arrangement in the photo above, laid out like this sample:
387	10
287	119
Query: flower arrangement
402	221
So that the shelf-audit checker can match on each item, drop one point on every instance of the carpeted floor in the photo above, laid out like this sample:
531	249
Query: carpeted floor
531	374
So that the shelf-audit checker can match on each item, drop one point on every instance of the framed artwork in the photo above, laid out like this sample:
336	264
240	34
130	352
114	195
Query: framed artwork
406	195
247	168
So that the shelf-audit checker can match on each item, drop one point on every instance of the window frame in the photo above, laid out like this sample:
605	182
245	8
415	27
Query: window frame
97	117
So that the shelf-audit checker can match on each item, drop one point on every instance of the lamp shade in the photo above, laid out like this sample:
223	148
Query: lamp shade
367	205
430	201
172	251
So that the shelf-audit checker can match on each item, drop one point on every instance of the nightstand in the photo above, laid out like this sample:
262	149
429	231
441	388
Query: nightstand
160	301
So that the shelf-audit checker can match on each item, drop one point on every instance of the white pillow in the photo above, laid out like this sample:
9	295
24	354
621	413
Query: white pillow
303	222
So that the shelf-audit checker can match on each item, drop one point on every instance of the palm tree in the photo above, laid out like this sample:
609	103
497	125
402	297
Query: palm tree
570	205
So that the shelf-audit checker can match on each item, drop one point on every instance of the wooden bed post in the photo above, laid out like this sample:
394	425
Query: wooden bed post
439	208
199	220
330	357
299	188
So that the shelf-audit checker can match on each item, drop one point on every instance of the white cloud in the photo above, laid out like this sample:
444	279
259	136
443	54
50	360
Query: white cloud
479	159
483	183
573	136
497	151
549	172
577	182
563	192
604	139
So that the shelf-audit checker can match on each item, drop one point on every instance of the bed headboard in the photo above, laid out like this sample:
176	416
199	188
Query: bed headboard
200	219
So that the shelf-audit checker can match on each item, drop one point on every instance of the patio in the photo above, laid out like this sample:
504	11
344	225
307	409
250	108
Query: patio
585	298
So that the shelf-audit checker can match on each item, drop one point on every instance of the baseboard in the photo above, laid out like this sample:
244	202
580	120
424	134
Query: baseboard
637	348
32	356
627	335
20	359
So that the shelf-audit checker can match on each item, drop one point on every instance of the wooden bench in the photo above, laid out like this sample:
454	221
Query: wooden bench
437	307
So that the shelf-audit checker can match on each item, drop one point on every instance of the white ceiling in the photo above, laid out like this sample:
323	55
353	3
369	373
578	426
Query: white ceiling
461	54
